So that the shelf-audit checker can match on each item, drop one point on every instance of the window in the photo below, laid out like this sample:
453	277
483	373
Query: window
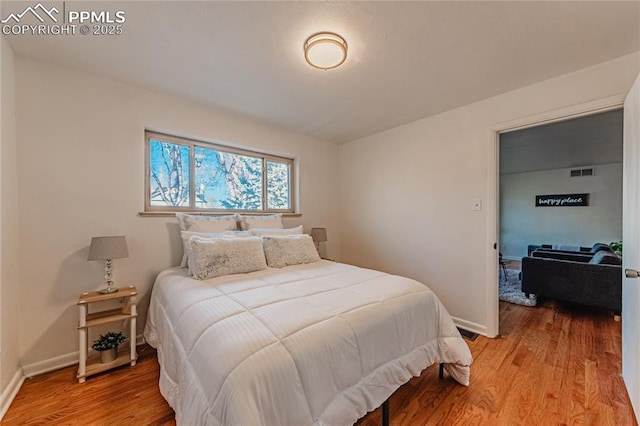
188	175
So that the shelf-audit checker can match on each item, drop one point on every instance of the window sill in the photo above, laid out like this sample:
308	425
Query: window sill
172	214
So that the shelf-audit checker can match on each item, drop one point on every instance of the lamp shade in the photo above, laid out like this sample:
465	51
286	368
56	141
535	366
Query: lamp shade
104	248
319	235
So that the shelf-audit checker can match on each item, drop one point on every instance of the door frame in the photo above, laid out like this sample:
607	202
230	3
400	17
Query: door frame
493	191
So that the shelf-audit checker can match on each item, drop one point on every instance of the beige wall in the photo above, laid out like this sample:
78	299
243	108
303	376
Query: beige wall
522	223
406	194
81	174
404	204
9	285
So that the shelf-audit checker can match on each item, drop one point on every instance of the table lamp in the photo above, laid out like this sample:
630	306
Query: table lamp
108	248
318	235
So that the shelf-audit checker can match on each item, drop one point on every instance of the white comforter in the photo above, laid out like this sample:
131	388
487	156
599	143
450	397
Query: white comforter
322	343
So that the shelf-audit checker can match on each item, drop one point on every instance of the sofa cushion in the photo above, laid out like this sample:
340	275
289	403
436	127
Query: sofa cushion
532	247
581	257
604	257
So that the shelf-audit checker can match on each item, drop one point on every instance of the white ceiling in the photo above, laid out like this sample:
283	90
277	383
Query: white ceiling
406	61
585	141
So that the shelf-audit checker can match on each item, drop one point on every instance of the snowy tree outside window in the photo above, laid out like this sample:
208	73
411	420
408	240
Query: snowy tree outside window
189	175
278	185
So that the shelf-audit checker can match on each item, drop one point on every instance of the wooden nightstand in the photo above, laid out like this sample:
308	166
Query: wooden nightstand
127	311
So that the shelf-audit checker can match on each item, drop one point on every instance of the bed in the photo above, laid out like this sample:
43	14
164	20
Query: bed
321	343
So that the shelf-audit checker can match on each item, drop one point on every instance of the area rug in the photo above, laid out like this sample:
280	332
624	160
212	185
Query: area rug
510	291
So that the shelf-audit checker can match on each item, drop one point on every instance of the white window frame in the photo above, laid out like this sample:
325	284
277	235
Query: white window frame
192	144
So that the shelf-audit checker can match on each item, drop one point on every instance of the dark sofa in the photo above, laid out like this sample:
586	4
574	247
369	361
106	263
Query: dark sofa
592	280
583	250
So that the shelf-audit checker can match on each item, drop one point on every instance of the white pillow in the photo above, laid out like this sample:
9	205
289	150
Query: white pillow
186	245
288	250
269	221
216	257
197	223
261	232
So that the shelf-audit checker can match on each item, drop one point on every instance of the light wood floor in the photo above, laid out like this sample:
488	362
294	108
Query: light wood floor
553	365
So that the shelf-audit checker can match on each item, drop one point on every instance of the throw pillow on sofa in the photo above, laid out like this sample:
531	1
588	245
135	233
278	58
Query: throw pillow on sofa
604	257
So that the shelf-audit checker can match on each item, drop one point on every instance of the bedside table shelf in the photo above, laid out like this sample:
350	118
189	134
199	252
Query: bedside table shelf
94	366
105	317
126	296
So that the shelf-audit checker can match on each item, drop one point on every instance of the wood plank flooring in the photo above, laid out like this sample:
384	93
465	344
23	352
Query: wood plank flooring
555	364
123	396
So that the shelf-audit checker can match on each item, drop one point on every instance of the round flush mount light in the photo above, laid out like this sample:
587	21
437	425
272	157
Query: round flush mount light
325	50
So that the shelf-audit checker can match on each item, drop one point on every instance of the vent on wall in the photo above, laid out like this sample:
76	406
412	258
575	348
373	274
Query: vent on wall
582	172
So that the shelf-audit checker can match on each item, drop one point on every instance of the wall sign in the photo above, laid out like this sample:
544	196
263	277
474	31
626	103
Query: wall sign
562	200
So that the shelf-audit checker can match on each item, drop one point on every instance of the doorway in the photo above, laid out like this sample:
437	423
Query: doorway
575	156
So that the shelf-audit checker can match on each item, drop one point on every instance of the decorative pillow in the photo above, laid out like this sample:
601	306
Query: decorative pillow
216	257
186	245
288	250
269	221
197	223
262	232
604	257
598	247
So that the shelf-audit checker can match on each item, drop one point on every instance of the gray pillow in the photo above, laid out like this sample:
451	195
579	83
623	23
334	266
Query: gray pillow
604	257
287	250
211	258
597	247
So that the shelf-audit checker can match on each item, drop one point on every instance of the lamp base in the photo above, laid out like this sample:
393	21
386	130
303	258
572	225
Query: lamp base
108	290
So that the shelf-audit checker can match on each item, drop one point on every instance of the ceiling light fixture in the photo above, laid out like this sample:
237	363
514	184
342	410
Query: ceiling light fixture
325	50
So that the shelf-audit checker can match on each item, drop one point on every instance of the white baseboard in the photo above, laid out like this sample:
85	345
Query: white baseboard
40	367
50	364
470	326
10	392
140	340
59	362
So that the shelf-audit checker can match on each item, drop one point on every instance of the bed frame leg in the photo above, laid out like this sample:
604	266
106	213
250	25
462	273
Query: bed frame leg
441	372
385	413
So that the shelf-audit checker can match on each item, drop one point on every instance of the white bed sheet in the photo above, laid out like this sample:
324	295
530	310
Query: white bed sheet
322	343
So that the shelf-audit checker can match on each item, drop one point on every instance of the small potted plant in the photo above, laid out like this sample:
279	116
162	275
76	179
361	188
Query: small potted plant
107	345
616	246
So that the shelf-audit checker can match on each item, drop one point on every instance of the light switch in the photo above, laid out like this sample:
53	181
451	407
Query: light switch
477	204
